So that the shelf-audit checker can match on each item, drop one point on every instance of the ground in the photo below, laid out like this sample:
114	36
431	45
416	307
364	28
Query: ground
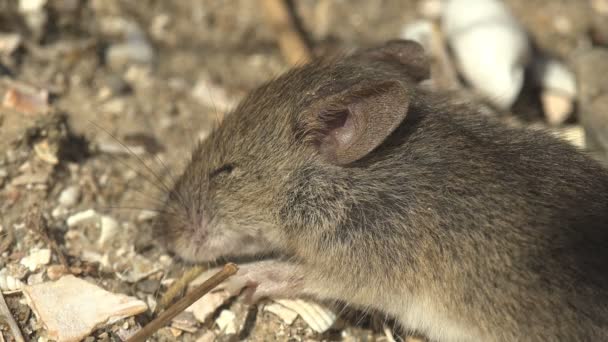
190	63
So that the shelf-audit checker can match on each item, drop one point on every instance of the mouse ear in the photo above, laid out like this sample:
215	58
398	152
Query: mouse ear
407	55
347	126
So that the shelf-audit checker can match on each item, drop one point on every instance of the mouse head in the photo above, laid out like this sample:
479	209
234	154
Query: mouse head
281	161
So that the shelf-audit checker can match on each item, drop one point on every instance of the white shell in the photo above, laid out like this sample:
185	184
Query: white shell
318	317
70	308
490	47
285	314
9	284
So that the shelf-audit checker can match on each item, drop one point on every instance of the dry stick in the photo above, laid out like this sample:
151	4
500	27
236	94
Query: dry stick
292	44
181	305
5	314
176	288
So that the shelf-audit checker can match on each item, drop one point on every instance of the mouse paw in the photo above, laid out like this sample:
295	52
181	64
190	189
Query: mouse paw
274	279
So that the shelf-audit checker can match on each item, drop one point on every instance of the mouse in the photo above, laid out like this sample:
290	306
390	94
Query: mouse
370	189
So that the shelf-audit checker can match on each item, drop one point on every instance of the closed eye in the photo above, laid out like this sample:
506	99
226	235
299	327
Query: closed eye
226	168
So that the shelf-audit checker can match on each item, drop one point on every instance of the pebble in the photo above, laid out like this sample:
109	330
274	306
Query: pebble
36	259
134	50
27	101
71	308
207	336
207	304
213	95
81	217
55	272
557	106
69	196
109	227
9	42
226	322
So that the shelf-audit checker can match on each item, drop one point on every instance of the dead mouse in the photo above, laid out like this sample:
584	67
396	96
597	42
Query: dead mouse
378	193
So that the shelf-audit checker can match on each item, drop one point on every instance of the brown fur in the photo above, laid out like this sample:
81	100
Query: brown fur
455	225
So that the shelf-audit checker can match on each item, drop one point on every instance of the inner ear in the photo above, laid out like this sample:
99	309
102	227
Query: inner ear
349	125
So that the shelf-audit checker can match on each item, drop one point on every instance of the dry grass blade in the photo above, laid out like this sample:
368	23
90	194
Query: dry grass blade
181	305
5	315
291	42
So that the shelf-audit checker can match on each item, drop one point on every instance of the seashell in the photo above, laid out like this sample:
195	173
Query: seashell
318	317
490	47
70	308
9	284
285	314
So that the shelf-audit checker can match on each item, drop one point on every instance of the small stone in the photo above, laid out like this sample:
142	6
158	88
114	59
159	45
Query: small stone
430	9
557	107
9	42
185	321
207	304
69	196
135	50
81	217
59	212
36	278
32	102
226	322
71	308
109	228
207	336
31	5
213	95
148	285
55	272
36	259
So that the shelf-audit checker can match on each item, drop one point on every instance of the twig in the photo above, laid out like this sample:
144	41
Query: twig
5	314
447	70
176	288
37	224
185	302
293	46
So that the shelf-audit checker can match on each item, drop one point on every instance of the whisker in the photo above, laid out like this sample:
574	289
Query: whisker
166	212
162	187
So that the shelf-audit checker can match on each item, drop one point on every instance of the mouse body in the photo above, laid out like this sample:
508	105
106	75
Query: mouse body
372	191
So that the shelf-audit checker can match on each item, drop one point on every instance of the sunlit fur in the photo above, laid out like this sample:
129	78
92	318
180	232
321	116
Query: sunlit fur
457	226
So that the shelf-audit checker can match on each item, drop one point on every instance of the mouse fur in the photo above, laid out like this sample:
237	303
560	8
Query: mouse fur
449	221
